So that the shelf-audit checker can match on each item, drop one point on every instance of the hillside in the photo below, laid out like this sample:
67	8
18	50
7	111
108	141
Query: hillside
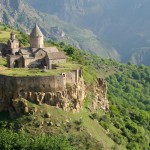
125	126
122	24
21	15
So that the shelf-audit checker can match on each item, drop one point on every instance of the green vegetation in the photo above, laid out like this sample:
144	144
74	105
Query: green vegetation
125	126
10	140
129	94
79	129
3	62
35	72
5	31
128	122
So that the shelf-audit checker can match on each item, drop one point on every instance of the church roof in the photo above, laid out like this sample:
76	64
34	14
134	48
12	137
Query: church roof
25	51
12	33
56	55
50	49
36	32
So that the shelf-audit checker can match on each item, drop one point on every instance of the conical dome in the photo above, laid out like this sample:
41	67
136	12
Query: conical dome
36	38
36	32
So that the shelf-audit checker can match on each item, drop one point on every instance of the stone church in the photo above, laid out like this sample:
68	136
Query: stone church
35	56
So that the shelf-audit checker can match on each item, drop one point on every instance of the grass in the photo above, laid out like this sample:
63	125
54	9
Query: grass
89	75
88	125
5	33
3	62
65	67
30	72
57	116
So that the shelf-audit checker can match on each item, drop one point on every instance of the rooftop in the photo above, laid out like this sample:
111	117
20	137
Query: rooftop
36	32
25	51
56	55
50	49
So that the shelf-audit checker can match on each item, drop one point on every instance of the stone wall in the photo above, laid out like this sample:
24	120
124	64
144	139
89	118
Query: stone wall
36	84
66	91
13	87
52	90
13	44
3	49
51	62
14	61
36	42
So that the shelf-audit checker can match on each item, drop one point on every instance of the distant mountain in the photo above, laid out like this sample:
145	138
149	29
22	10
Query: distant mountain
19	14
141	55
124	24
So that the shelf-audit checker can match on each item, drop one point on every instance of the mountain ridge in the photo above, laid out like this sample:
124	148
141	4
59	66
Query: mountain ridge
122	24
19	14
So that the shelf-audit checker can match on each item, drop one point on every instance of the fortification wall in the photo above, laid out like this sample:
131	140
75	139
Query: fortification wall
11	87
41	89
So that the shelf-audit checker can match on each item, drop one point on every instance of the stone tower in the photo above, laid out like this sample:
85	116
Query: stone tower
36	38
13	43
12	36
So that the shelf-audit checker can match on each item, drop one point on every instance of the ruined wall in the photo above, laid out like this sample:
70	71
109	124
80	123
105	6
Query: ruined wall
73	77
12	87
51	90
70	76
66	91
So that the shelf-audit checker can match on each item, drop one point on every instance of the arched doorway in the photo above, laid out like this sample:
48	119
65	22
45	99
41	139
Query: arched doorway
16	64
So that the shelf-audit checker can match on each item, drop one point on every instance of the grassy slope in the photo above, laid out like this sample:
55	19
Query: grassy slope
92	127
58	116
102	68
4	34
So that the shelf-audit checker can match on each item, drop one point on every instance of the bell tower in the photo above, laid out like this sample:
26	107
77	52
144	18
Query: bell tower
36	38
12	36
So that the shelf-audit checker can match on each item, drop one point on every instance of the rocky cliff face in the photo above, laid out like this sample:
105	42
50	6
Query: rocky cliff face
69	99
100	92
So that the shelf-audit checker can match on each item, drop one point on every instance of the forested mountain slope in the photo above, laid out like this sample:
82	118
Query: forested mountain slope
19	14
125	126
122	24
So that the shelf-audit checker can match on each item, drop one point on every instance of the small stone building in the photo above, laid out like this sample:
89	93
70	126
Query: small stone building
13	44
35	56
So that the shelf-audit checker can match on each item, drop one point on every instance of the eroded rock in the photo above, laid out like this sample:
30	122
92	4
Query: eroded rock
100	92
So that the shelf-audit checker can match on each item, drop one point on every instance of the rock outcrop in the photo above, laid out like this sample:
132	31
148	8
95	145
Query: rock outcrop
15	93
100	92
70	98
